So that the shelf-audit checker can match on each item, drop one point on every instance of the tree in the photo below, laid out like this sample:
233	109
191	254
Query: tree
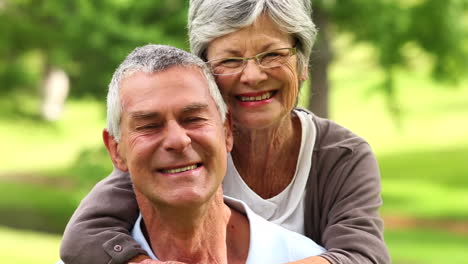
89	38
86	38
433	25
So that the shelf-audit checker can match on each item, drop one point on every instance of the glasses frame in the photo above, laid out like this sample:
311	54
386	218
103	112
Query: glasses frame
292	50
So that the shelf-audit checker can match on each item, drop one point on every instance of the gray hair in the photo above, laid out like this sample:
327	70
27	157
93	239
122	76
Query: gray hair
150	59
210	19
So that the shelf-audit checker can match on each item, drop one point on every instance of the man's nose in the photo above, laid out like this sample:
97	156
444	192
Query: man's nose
253	74
176	138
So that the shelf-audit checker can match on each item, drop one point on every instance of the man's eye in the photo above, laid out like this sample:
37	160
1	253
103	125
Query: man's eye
194	119
147	127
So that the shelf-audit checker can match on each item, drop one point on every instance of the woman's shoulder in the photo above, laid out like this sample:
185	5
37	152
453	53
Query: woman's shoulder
330	135
340	157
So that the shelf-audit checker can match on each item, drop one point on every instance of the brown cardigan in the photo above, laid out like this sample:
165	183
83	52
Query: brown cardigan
341	209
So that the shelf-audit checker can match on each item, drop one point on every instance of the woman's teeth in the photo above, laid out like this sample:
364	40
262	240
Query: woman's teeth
265	96
182	169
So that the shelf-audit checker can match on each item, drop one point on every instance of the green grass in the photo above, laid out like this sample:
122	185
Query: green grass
424	246
426	184
26	247
37	146
32	206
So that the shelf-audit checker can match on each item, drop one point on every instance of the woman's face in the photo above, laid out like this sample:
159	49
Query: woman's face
257	97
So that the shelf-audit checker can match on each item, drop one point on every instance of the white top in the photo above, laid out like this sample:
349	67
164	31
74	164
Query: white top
286	208
269	243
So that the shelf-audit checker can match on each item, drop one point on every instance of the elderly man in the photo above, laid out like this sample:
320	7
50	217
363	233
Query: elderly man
167	126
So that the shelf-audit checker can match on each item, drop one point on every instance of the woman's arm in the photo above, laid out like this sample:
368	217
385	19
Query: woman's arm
98	231
343	198
311	260
350	226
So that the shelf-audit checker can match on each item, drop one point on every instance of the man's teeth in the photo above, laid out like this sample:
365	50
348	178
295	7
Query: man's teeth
256	98
177	170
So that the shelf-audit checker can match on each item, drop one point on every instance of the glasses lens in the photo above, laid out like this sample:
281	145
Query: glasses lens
226	66
274	58
269	59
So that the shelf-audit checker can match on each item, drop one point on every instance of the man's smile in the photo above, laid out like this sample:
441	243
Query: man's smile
181	169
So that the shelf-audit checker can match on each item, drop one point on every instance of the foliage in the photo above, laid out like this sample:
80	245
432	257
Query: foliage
89	38
435	26
86	38
91	166
439	28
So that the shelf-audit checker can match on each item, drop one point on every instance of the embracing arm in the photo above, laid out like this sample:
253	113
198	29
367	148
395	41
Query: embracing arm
345	205
311	260
98	231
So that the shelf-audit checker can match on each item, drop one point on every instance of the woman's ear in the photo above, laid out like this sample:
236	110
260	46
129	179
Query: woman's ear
113	149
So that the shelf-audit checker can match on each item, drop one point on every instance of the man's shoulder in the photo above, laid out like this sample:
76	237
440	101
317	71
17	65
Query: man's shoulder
281	244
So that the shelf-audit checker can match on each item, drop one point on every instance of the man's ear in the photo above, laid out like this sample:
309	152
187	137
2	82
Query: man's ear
228	132
113	149
304	74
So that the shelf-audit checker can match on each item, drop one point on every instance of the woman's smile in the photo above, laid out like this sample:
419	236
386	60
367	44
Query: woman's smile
255	99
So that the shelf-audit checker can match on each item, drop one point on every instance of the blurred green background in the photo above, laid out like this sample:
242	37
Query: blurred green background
397	77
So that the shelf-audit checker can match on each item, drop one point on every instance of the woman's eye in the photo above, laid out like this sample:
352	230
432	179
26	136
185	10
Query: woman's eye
270	58
230	63
271	54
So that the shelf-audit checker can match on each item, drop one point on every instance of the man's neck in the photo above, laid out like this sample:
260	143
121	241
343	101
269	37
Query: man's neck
212	233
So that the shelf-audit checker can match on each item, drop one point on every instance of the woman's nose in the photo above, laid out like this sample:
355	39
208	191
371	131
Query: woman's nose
253	74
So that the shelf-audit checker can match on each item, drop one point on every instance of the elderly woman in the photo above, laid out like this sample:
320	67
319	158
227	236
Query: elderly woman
297	170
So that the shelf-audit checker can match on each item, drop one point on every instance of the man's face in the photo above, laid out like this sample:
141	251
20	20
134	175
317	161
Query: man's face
173	140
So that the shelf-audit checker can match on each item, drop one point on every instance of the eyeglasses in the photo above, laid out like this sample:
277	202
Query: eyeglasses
233	65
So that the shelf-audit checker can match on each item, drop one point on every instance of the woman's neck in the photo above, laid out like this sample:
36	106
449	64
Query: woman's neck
197	236
266	158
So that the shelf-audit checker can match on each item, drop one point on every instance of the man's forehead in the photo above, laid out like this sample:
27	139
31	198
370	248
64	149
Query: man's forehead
178	82
187	109
181	69
156	97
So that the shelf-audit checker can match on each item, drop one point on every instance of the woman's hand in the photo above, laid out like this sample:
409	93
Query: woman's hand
152	261
143	259
138	259
311	260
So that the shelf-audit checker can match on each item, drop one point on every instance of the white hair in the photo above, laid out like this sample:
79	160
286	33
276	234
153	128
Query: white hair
210	19
150	59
